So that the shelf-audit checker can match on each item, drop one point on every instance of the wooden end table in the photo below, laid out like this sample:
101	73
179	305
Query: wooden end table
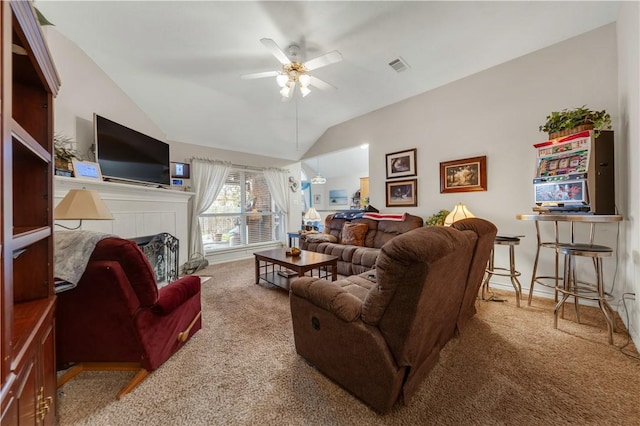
307	261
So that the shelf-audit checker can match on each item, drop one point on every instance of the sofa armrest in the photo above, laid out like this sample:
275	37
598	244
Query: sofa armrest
328	295
175	294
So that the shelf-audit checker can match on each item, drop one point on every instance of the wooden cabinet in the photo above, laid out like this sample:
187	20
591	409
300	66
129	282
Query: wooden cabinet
364	189
29	82
360	198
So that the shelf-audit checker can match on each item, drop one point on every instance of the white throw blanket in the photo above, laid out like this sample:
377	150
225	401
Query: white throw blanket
72	252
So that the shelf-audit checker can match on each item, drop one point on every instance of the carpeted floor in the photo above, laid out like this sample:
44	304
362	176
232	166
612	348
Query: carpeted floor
508	367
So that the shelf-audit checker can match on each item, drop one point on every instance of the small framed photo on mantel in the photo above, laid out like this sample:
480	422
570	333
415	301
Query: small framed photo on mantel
401	164
86	169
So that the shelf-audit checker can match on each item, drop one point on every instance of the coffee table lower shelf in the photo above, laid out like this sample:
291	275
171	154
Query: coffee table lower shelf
269	262
277	279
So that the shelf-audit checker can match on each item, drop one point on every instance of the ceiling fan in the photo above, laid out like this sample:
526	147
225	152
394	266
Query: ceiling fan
295	73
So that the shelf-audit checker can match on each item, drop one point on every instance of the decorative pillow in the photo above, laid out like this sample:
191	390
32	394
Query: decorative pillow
353	233
320	238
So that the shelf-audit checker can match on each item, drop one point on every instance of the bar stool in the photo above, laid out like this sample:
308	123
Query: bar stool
572	287
511	272
540	279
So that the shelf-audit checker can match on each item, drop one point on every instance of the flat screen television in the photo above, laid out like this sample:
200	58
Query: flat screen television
127	154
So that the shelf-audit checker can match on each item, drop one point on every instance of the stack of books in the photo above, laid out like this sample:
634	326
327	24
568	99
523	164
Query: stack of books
287	273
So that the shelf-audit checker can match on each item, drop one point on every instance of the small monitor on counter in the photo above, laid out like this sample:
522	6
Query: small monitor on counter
180	170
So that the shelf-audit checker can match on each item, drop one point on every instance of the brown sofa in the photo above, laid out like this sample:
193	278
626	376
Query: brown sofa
378	334
358	254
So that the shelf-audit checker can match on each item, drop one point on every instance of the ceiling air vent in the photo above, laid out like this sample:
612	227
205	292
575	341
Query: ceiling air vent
399	64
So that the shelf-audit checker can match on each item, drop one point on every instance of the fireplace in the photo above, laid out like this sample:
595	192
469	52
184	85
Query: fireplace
162	250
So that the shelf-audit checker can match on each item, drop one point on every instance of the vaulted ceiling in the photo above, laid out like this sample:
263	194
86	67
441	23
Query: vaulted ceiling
181	61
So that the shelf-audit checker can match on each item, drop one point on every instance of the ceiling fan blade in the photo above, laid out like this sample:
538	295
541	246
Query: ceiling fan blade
323	85
275	50
324	60
259	75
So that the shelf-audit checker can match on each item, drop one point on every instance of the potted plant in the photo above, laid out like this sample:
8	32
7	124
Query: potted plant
64	150
437	219
566	122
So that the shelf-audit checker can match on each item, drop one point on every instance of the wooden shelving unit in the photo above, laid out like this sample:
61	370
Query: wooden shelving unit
27	345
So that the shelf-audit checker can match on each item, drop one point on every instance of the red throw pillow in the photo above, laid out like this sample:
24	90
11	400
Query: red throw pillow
353	233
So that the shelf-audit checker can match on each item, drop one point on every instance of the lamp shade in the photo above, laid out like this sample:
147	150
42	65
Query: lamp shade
312	215
459	212
82	204
282	79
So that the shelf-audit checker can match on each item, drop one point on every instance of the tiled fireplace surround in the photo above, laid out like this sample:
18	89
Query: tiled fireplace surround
138	211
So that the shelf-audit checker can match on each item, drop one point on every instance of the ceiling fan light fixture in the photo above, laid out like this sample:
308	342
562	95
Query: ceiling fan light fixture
282	79
318	180
293	71
285	91
305	79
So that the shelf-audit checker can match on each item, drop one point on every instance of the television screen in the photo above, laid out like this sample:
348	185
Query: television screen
180	170
127	154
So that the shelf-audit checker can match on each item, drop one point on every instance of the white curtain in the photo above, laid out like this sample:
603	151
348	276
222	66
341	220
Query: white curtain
207	179
279	187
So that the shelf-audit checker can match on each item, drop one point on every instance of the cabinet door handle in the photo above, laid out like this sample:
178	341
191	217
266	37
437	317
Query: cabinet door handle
43	404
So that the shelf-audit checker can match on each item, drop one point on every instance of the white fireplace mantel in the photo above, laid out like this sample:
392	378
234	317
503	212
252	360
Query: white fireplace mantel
137	210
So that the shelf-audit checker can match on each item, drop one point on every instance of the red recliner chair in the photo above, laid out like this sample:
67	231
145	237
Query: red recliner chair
116	318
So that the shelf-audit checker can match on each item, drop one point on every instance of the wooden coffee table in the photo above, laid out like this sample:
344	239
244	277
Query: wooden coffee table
273	261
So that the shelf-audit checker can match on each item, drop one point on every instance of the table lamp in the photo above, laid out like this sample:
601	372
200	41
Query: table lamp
81	204
459	212
312	216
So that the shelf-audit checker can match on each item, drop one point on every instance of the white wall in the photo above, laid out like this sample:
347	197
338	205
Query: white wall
350	183
85	90
495	113
628	27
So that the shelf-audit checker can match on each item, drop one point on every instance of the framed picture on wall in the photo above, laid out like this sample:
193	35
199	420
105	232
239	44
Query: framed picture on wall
317	198
338	196
465	175
401	164
402	193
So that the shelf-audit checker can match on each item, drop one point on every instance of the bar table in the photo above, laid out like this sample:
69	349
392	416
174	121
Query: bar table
572	218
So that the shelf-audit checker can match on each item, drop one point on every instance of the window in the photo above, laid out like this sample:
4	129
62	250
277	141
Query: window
242	214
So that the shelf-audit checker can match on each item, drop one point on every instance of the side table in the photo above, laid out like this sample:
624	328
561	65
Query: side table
294	238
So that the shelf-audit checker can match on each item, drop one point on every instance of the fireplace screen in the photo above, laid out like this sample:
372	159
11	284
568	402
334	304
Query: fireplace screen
162	252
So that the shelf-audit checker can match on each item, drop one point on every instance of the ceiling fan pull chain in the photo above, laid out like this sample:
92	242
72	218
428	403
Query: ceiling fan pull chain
297	145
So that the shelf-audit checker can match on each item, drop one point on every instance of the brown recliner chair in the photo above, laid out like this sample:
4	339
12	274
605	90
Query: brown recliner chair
378	334
116	318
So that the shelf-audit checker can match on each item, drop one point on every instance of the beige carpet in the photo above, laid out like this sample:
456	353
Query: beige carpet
509	367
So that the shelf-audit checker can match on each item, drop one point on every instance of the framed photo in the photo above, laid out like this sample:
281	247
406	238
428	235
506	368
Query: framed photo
402	193
317	198
401	164
466	175
338	196
86	169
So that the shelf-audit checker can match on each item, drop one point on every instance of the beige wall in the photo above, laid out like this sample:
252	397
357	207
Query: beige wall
85	90
628	27
495	113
